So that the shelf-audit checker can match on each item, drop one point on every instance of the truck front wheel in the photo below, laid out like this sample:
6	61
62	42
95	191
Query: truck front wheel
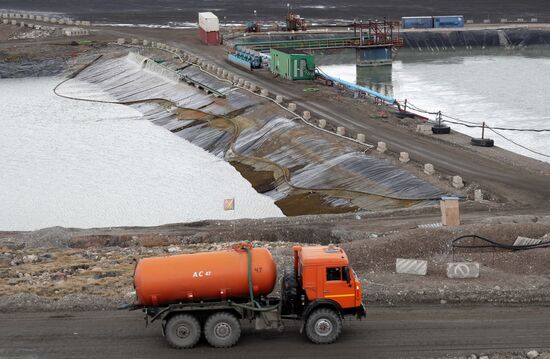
182	331
222	330
323	326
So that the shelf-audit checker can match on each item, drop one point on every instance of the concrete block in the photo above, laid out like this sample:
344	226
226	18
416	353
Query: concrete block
306	115
520	19
382	147
225	74
425	129
279	99
32	17
135	42
450	211
534	19
503	20
5	21
38	18
86	23
145	42
322	123
25	16
264	92
121	41
341	131
53	20
22	24
404	157
78	22
478	195
61	21
14	22
524	241
361	137
487	21
252	87
247	84
240	82
292	107
429	169
463	270
457	182
411	266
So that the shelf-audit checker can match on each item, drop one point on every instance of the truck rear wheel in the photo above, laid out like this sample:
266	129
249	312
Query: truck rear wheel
182	331
222	330
323	326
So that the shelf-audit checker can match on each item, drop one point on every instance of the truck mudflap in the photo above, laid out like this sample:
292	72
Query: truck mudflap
361	312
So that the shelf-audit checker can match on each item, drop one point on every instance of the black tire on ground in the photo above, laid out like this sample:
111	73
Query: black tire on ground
482	142
222	330
323	326
182	331
441	130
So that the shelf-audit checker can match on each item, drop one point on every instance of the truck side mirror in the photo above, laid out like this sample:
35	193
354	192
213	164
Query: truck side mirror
345	274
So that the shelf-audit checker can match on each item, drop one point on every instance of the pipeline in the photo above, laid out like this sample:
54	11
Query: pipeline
354	87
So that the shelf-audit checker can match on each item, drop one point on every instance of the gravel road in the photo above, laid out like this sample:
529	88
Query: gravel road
426	331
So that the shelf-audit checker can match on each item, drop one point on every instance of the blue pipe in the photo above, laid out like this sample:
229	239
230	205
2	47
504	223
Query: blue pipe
354	87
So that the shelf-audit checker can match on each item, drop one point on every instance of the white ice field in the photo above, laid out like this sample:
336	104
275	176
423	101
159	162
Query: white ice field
79	164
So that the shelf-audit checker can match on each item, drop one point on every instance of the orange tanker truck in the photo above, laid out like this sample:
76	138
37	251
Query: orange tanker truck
211	292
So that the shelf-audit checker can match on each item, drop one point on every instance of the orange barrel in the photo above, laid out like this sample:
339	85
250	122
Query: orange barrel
203	276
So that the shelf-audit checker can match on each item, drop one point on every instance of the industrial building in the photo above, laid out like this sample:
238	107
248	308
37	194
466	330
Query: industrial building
292	64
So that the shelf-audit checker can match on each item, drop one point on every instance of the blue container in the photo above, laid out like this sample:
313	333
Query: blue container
448	21
417	22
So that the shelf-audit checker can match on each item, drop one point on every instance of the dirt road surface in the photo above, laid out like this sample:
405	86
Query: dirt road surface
428	331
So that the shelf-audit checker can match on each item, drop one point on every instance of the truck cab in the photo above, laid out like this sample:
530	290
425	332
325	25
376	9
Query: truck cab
327	289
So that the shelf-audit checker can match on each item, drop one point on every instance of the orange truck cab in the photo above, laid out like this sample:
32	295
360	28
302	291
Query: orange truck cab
325	285
325	275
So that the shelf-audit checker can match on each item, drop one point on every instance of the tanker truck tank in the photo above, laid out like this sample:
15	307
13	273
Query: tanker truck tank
204	276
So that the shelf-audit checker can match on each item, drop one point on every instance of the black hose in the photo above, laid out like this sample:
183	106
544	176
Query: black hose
494	244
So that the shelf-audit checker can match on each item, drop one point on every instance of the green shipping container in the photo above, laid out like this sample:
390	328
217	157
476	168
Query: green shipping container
292	64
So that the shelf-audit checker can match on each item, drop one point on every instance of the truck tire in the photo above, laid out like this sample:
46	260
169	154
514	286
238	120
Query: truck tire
182	331
222	330
323	326
290	292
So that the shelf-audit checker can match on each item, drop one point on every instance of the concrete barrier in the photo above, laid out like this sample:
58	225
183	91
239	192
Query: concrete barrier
225	74
53	20
411	266
61	21
292	107
487	21
135	42
534	19
457	182
503	20
32	17
429	169
404	157
478	195
240	82
47	19
25	16
425	129
121	41
247	84
520	19
525	241
341	131
322	123
463	270
361	137
279	99
22	24
145	42
381	147
86	23
306	115
5	21
264	92
39	18
252	87
14	22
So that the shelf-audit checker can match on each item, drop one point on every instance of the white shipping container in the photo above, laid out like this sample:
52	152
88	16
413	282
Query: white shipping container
208	22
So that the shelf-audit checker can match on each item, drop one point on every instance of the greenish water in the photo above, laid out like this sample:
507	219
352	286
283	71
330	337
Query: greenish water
505	88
